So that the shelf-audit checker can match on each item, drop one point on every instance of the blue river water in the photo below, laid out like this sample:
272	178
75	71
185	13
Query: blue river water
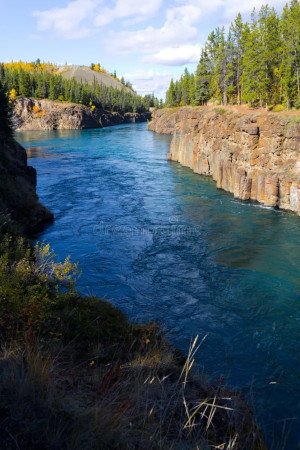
163	243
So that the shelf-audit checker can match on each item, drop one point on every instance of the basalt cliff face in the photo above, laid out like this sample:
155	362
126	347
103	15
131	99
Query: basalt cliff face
252	154
18	196
32	114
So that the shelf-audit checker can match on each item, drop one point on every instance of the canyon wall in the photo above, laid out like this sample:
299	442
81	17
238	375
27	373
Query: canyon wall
255	155
33	114
18	196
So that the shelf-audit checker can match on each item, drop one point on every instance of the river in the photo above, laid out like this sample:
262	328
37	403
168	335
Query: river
163	243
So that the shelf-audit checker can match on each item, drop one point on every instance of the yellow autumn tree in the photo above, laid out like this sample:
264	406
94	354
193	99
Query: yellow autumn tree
97	68
12	95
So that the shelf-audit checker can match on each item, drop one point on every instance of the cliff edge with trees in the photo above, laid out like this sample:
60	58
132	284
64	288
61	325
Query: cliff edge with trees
48	97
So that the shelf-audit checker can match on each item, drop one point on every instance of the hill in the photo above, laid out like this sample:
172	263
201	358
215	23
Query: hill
95	89
86	75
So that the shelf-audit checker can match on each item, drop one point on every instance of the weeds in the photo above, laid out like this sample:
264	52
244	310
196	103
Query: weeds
220	111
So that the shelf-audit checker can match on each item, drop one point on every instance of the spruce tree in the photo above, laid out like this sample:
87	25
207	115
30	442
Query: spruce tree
290	54
6	127
235	68
203	77
170	96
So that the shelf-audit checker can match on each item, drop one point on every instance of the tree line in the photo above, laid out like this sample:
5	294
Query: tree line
255	62
40	80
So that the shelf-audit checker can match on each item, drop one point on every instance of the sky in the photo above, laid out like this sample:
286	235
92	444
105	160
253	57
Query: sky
146	41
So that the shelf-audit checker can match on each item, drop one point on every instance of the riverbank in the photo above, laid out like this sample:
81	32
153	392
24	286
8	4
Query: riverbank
74	372
34	114
252	154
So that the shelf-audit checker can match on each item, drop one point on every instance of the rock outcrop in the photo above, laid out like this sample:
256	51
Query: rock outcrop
32	114
18	196
254	155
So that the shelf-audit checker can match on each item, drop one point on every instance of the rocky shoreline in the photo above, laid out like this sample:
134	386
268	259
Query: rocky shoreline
18	197
255	155
33	114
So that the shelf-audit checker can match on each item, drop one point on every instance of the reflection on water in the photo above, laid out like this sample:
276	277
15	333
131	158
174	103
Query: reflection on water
163	243
39	152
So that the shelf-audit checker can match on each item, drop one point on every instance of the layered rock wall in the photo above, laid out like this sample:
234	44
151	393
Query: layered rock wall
18	196
254	155
33	114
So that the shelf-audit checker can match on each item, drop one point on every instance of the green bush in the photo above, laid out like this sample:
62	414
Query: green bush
38	301
277	108
220	111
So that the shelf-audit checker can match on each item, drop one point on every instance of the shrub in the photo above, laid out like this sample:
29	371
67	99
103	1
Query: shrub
220	111
37	299
277	108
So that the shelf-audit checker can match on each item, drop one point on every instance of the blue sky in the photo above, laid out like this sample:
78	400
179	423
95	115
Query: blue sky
147	41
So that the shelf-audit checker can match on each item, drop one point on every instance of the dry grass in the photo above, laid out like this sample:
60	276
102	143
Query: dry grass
149	400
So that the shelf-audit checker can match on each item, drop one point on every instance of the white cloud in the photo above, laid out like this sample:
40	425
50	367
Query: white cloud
233	7
175	42
128	9
228	9
149	81
175	56
68	22
179	28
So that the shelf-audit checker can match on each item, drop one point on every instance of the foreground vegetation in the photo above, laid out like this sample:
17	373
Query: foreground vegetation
256	62
40	80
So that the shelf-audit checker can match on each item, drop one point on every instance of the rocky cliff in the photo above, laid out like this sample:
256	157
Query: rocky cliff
255	155
18	196
32	114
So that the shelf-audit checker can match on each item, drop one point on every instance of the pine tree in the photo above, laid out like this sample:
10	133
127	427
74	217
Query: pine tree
235	43
6	127
270	44
171	96
203	78
217	51
24	84
290	54
185	85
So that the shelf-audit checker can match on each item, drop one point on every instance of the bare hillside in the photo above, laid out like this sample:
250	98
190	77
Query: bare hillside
85	74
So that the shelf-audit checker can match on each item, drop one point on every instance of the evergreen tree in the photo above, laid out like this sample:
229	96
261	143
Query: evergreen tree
235	43
185	86
290	54
203	78
24	84
171	95
6	128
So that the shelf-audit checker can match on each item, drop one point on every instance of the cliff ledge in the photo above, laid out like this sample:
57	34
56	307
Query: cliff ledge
33	114
255	155
18	196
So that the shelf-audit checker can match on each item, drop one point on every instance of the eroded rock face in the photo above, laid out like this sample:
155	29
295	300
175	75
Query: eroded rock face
32	114
18	196
253	155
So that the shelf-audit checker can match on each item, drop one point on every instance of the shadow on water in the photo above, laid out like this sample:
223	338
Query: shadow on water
163	243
